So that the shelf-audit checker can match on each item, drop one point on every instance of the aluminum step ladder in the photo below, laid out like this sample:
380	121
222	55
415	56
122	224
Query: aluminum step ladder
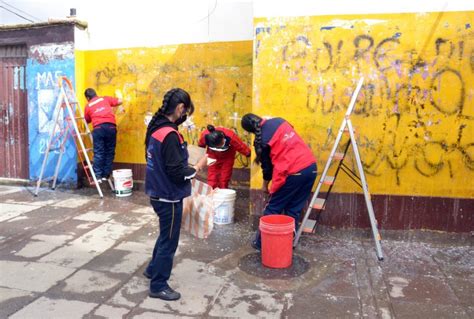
67	103
319	203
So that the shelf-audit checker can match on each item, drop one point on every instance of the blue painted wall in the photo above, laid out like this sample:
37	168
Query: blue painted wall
41	79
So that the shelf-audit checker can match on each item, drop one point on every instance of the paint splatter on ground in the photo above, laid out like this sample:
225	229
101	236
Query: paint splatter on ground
69	252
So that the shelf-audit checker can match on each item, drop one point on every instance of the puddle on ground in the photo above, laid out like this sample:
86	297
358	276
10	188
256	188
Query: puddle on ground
252	265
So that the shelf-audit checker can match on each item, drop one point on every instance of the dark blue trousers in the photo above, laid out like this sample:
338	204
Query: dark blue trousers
291	198
161	263
104	137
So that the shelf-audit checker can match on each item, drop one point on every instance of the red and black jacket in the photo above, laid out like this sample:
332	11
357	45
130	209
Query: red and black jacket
236	145
99	110
284	152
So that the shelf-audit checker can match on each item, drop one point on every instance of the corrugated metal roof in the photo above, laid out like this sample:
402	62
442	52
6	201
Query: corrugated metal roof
13	51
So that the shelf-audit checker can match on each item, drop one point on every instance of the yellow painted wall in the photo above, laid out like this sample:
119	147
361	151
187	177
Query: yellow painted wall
415	116
218	77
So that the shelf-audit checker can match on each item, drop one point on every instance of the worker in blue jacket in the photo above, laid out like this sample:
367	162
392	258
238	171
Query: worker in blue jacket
167	182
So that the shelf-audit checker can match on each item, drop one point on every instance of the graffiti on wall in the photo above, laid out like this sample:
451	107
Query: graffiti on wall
415	113
218	76
45	65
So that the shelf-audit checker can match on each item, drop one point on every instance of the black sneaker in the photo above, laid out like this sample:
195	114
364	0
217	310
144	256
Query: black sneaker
168	294
255	246
146	274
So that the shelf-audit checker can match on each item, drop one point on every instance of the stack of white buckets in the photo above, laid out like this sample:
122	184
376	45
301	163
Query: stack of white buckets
223	199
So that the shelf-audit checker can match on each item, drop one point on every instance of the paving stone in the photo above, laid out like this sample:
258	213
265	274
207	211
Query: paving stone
12	300
31	276
149	314
42	244
422	289
235	302
4	190
415	310
92	252
95	216
340	280
75	202
55	309
145	247
464	290
198	290
86	247
87	281
124	262
111	312
323	306
9	211
132	293
9	293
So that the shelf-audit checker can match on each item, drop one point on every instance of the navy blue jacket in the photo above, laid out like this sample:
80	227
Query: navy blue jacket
168	174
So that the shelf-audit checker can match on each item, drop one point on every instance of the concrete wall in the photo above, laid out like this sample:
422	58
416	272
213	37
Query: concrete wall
415	114
203	46
218	77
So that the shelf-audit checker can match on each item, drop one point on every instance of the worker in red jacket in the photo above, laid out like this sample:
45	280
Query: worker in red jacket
99	111
286	161
222	145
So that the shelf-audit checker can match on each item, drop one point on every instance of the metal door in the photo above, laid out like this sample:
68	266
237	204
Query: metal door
13	113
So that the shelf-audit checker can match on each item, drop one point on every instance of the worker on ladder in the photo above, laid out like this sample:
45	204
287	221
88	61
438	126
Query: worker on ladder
99	111
286	161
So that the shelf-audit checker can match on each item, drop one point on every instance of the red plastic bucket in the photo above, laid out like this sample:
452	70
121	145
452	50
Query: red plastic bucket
277	240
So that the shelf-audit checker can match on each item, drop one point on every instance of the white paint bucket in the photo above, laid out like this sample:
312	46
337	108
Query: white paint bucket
224	200
123	181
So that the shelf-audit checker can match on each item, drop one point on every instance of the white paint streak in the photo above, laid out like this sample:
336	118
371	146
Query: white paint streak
349	24
72	202
95	216
52	51
398	283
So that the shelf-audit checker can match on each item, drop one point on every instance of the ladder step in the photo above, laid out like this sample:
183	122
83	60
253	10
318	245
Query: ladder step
85	133
346	130
88	150
338	156
308	227
79	117
329	180
319	203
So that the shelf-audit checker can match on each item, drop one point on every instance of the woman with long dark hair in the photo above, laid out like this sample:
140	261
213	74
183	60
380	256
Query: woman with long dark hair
222	145
167	182
286	161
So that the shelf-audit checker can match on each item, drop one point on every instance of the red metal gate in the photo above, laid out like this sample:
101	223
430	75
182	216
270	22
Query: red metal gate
13	113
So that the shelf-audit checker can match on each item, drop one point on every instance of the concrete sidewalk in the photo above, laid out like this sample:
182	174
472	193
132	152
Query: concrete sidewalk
68	254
